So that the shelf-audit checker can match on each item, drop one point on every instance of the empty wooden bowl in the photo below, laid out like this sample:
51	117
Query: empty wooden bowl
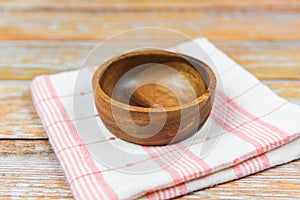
154	97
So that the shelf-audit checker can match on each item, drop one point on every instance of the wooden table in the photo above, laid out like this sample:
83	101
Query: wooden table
50	36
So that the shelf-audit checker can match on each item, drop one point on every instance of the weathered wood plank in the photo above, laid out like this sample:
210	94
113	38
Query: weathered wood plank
215	24
18	118
30	168
266	60
46	54
146	5
26	59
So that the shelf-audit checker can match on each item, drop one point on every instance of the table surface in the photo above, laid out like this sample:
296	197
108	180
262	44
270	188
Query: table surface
38	37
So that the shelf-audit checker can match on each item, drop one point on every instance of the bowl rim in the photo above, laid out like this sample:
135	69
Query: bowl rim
98	91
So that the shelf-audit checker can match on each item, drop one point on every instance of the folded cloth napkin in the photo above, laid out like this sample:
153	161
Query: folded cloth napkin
260	130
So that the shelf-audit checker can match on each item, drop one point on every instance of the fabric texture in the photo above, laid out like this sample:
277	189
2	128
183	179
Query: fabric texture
254	130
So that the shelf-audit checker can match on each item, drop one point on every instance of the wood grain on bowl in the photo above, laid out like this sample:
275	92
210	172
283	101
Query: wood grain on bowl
150	87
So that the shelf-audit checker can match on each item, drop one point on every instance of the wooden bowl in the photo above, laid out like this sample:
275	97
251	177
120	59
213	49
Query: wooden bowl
129	88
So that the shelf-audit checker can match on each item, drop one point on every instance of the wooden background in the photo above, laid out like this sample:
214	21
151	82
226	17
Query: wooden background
50	36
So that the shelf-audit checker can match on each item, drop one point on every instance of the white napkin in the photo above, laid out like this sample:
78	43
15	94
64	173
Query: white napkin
260	130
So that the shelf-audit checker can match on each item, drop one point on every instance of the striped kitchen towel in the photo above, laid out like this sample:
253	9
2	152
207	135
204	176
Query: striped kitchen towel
250	129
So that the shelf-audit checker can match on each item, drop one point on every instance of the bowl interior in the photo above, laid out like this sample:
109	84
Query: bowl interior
154	77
